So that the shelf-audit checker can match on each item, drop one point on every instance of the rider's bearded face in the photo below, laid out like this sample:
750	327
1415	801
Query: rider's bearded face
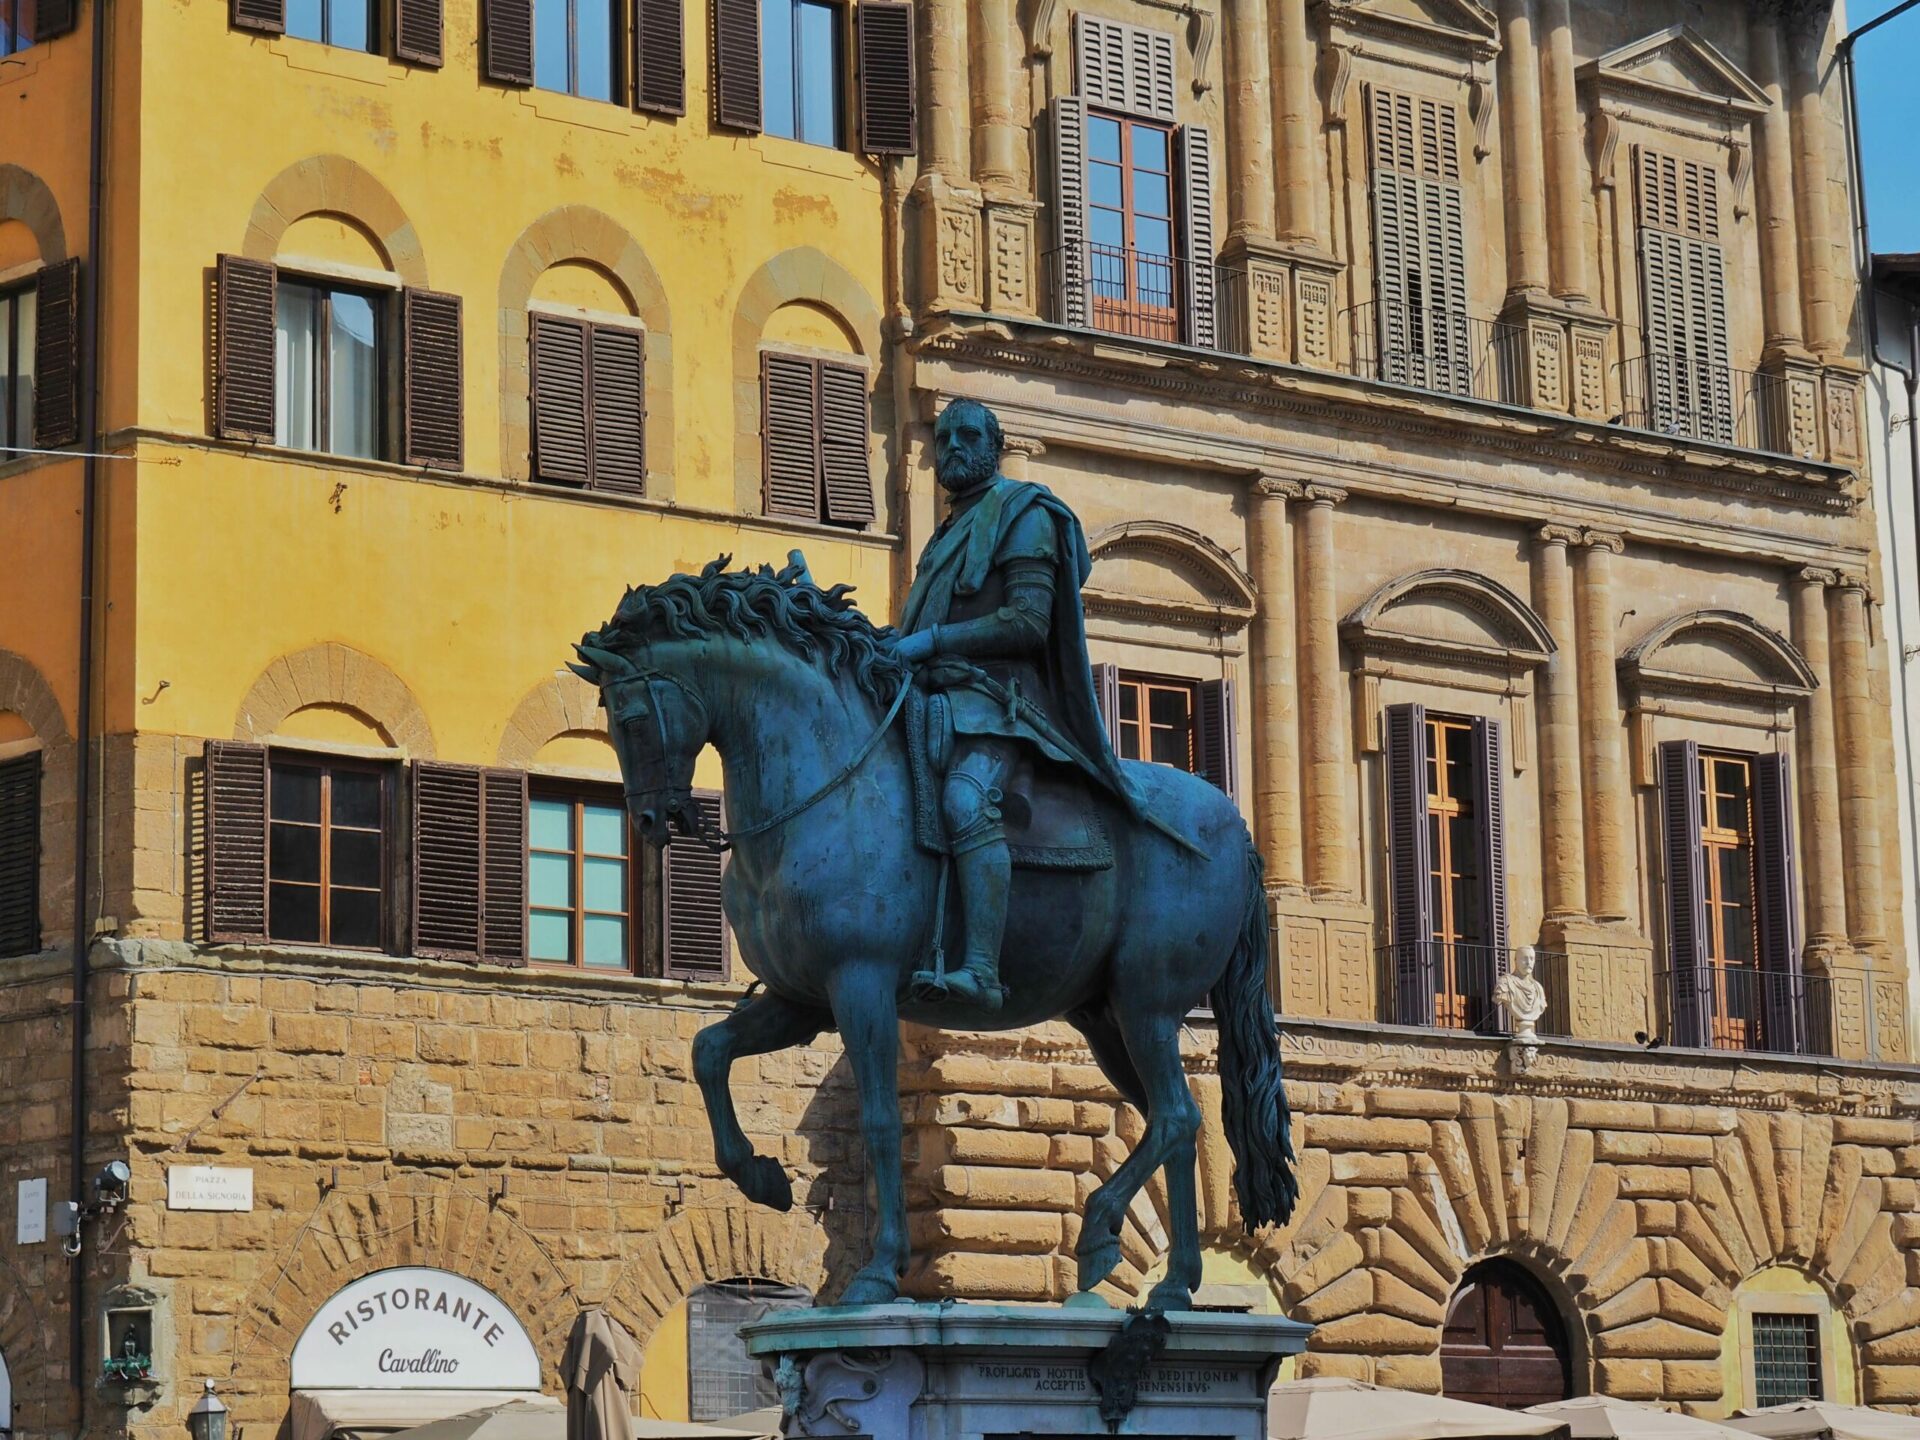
965	457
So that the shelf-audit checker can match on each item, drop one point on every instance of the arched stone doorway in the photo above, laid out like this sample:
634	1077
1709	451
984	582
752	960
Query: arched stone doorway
1505	1343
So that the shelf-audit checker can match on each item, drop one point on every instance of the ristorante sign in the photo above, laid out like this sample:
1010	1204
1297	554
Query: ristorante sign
415	1329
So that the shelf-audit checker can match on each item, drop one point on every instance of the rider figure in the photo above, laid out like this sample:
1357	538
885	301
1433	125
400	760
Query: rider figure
994	621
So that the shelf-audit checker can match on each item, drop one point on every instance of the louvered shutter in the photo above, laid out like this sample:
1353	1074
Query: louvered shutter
1216	755
1419	238
845	431
1106	690
1690	979
506	41
659	56
1409	865
56	356
20	854
52	18
736	64
1123	67
1684	298
883	39
236	866
1388	114
431	388
1194	155
560	422
617	408
1777	889
503	871
1490	811
1070	208
789	436
447	803
419	31
268	16
1444	239
695	940
243	404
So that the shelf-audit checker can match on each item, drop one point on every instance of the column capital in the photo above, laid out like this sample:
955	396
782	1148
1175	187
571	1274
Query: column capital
1319	494
1558	535
1816	575
1278	487
1852	582
1612	541
1022	445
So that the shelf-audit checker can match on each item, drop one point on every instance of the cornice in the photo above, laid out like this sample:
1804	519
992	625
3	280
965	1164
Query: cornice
1461	27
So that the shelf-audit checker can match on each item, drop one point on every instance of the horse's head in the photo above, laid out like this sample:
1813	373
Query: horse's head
658	724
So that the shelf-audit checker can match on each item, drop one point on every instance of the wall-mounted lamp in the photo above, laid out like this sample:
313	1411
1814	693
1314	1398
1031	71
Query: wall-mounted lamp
208	1418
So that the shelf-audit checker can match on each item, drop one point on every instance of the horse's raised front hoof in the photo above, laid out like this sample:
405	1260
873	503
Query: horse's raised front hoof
1097	1260
1170	1296
763	1181
871	1287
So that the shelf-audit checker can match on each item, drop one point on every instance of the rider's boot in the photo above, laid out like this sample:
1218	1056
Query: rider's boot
985	873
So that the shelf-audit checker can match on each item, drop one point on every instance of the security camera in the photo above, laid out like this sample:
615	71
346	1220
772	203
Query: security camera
110	1185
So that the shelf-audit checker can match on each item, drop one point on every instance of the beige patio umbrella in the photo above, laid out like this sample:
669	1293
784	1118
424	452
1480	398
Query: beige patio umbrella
1327	1408
763	1424
1602	1417
1823	1420
602	1370
532	1417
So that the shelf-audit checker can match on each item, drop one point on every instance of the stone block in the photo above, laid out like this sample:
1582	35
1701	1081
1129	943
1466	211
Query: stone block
1892	1384
1610	1115
231	1027
1419	1373
987	1075
1628	1379
1657	1340
1657	1217
998	1189
310	1034
1627	1147
1691	1380
1344	1132
446	1044
1000	1232
996	1147
1357	1168
1374	1334
1370	1206
1655	1182
994	1277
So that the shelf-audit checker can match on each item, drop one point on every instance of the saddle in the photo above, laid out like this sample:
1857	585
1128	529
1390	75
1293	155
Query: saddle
1052	819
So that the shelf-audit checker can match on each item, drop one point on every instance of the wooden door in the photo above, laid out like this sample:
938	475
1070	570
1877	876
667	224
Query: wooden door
1504	1344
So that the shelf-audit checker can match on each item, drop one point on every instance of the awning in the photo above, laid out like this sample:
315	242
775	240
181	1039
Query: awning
1601	1417
1328	1408
352	1414
1808	1419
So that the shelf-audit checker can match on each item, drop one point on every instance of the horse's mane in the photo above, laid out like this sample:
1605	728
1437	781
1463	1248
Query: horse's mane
819	625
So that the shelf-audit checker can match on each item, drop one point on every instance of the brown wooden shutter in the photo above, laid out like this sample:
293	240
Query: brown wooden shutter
431	394
447	803
267	16
52	18
1409	865
1106	690
506	39
736	64
695	940
243	404
846	430
617	407
659	57
419	28
20	854
560	424
56	356
1216	757
1193	155
789	436
1690	980
1070	210
1490	811
503	874
1777	889
883	41
236	867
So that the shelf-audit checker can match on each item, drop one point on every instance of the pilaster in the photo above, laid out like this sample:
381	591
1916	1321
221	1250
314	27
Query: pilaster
1822	863
1332	841
1279	301
1276	684
1609	814
1563	852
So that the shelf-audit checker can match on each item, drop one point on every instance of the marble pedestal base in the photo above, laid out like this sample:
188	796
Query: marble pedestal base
1004	1372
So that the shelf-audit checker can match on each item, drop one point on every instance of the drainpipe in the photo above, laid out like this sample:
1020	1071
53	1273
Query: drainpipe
83	700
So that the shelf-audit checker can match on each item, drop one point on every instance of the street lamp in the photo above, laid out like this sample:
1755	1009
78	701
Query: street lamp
208	1418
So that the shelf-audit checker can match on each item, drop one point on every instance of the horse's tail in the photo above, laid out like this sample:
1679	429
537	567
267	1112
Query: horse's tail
1253	1094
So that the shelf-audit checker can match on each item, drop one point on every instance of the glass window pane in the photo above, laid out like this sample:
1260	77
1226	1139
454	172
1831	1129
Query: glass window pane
1171	747
603	942
550	49
356	858
1108	229
1149	148
550	825
1103	138
354	917
549	936
350	23
1736	876
776	68
819	73
1152	237
1130	703
603	884
356	799
1129	739
1103	185
306	19
1738	921
1151	193
604	830
1168	706
294	350
296	793
354	393
294	912
593	39
550	879
294	853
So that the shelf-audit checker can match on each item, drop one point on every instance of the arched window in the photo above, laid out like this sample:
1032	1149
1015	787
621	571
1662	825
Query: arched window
722	1379
1505	1343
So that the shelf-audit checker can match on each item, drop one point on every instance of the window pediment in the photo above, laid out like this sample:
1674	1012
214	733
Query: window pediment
1717	653
1676	69
1167	574
1448	27
1450	615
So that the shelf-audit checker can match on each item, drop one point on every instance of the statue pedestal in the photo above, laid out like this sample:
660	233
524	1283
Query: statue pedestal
950	1371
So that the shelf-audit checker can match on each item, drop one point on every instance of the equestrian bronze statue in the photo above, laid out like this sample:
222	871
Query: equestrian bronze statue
948	789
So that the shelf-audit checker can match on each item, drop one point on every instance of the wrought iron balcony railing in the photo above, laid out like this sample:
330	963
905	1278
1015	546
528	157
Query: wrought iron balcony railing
1439	348
1448	985
1675	393
1139	293
1741	1007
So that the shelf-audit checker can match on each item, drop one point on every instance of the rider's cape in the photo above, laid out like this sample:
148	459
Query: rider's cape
957	562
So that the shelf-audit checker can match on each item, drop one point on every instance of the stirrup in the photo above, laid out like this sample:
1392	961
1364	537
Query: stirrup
939	985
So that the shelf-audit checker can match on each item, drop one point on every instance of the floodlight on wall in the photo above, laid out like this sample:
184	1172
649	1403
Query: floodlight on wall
208	1418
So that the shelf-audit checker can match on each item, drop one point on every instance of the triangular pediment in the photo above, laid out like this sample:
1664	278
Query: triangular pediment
1442	24
1680	66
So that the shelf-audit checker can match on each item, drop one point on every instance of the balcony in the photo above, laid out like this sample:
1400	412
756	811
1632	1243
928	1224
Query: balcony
1739	1007
1435	348
1446	985
1673	393
1140	294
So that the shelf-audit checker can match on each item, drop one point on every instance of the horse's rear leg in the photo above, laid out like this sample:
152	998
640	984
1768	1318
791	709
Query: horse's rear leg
869	1022
764	1024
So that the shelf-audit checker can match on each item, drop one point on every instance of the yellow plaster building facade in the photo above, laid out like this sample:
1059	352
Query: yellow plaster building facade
1464	407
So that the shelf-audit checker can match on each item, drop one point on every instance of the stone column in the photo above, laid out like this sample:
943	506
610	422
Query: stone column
1276	714
1564	859
1609	810
1327	735
999	149
1773	187
1296	117
1566	192
1250	196
1015	460
1825	321
1527	265
1861	778
944	147
945	266
1821	860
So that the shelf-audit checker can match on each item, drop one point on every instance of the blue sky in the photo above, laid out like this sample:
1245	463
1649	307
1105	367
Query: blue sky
1888	70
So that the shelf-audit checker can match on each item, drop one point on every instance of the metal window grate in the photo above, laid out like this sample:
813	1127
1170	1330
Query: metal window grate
1786	1358
722	1379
